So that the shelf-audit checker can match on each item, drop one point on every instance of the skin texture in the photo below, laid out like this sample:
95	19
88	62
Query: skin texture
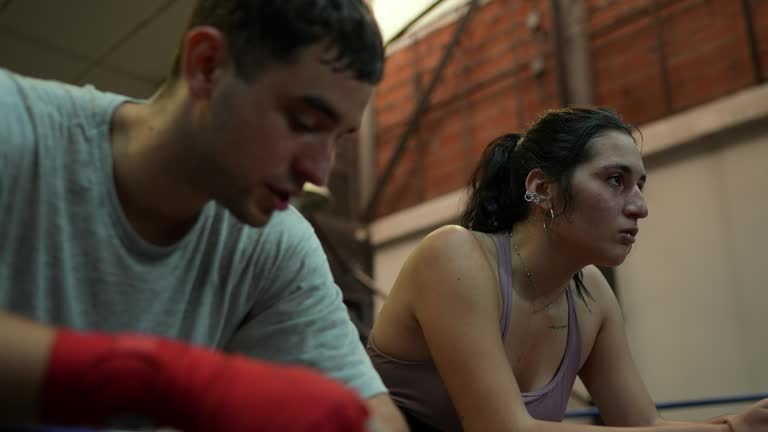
608	193
445	305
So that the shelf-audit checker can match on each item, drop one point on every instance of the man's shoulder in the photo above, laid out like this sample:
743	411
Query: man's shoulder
40	96
287	235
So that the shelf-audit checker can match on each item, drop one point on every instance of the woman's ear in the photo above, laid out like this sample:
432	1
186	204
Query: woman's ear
538	187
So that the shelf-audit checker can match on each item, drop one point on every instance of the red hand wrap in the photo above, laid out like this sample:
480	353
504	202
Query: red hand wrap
95	378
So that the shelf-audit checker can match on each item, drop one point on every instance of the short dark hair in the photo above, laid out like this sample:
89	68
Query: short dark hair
557	143
261	32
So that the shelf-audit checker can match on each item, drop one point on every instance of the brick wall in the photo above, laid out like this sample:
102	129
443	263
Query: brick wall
649	63
648	60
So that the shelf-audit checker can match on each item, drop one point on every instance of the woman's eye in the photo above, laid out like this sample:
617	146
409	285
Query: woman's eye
616	180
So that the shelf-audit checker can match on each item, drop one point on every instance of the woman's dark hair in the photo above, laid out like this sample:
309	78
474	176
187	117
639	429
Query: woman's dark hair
557	142
262	32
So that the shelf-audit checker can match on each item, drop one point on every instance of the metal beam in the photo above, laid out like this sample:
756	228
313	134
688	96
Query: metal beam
337	257
563	92
661	55
415	117
749	25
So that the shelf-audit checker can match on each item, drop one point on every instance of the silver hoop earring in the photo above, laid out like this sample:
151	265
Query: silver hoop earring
533	196
551	221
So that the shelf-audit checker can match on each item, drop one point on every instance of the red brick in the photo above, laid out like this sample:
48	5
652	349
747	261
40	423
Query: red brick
716	80
442	179
601	17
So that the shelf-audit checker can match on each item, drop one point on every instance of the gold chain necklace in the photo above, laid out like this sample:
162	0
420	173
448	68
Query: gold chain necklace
547	306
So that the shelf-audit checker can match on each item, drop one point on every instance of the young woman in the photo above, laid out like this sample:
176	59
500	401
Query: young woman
489	323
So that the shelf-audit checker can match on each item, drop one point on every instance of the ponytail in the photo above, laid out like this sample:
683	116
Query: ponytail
495	202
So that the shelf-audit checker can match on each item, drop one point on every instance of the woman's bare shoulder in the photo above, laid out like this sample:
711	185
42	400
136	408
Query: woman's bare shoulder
449	255
456	239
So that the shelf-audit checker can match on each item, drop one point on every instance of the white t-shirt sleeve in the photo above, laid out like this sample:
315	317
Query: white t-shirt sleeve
15	131
306	321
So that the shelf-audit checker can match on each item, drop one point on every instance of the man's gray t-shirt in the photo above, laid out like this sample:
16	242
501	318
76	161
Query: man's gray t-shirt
69	257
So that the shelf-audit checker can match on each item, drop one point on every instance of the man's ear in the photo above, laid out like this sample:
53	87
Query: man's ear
205	58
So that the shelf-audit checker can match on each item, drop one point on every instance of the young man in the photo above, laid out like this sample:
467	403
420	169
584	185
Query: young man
123	219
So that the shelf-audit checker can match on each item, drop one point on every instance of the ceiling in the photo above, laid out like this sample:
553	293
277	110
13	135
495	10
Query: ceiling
124	46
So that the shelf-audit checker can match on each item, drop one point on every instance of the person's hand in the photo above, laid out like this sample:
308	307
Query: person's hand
753	419
721	419
102	380
246	396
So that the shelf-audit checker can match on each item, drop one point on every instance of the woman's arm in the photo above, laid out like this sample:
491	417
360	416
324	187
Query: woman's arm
612	378
610	373
62	377
455	301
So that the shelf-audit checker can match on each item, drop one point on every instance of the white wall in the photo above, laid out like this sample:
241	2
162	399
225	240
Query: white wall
694	290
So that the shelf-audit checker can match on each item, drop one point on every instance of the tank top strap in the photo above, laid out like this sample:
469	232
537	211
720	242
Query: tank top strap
505	279
574	336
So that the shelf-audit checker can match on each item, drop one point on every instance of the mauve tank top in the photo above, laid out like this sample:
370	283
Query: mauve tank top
417	389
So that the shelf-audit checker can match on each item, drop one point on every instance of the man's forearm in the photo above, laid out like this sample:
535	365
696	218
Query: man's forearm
24	351
385	416
25	348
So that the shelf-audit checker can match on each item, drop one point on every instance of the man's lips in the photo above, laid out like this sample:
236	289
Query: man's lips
282	196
